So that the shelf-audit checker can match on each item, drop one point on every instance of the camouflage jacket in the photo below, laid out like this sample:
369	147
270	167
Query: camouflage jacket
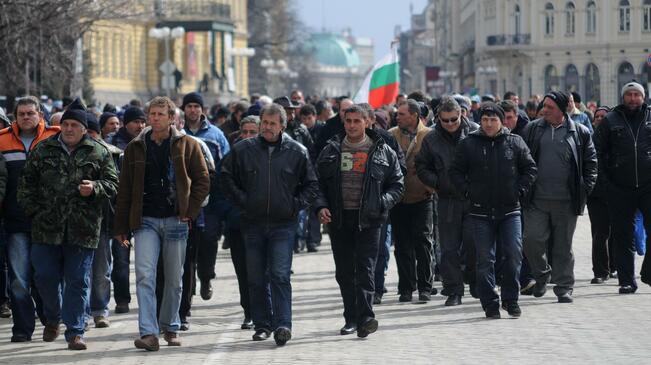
49	193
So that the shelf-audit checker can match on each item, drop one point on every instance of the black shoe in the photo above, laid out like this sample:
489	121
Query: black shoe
405	297
282	335
424	297
367	328
377	299
627	289
206	290
512	307
348	329
565	298
493	312
597	280
17	338
261	334
184	325
527	288
434	291
453	300
122	308
613	275
311	247
539	289
247	324
5	311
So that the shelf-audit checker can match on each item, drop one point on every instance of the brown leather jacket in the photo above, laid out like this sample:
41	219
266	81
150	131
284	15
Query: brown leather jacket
192	180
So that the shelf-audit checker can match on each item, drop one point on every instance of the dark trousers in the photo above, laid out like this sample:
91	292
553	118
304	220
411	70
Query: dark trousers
412	226
457	245
383	256
622	206
207	247
238	256
603	262
355	253
120	273
4	278
313	236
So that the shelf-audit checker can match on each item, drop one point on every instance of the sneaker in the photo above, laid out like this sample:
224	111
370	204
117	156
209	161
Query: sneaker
101	322
539	289
424	297
148	342
122	308
77	343
405	297
50	332
5	311
172	338
282	335
367	328
512	307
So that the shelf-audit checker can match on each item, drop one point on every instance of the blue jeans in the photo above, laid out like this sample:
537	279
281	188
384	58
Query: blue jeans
100	293
21	289
156	236
268	264
120	273
72	265
487	234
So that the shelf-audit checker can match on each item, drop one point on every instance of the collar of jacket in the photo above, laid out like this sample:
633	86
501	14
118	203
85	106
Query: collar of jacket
54	141
203	124
373	135
480	133
40	128
174	135
542	123
111	148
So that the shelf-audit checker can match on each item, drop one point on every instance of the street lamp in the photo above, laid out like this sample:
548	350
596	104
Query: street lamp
165	34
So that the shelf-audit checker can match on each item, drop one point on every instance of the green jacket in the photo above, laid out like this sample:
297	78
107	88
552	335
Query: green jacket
48	191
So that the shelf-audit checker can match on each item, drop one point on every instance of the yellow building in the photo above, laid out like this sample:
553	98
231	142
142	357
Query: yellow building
210	56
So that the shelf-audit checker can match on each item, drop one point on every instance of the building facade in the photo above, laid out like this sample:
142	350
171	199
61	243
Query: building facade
210	56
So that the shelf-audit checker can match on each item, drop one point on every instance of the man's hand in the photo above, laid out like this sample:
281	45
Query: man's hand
325	216
122	238
86	188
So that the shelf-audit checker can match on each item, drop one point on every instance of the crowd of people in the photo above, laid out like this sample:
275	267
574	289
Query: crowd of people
471	191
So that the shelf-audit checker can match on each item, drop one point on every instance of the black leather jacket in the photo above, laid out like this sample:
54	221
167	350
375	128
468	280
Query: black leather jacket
584	169
269	188
624	149
436	155
493	173
383	182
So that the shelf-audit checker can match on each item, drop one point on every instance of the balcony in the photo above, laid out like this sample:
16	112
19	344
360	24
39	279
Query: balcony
195	10
508	40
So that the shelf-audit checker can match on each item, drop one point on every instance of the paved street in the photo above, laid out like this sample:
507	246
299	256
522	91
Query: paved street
600	327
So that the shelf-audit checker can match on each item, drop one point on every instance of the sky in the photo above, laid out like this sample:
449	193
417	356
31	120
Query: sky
375	19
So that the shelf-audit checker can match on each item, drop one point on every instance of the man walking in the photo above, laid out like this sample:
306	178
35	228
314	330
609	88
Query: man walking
493	168
163	182
269	178
360	181
66	182
567	172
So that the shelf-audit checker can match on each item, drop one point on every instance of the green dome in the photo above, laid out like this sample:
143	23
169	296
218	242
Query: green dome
333	50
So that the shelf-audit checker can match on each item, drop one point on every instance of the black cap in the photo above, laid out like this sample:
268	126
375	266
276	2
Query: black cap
105	117
91	121
490	108
560	98
193	97
424	110
133	113
76	111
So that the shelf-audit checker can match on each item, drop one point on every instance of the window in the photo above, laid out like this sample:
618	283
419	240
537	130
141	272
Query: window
571	78
646	16
551	79
624	16
591	21
625	74
569	18
592	83
517	20
549	19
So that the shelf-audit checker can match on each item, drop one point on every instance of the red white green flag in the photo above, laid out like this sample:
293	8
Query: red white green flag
382	84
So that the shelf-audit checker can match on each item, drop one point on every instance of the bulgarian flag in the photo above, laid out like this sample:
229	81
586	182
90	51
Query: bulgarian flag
382	84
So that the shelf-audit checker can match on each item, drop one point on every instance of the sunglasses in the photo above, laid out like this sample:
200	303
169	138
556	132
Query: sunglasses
452	120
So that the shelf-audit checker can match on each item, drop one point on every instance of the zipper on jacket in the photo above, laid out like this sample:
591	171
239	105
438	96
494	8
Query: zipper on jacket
637	182
366	178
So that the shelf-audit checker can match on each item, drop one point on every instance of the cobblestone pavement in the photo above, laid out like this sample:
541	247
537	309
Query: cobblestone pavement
601	326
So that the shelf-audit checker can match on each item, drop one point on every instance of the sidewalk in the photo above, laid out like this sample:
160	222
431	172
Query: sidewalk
601	326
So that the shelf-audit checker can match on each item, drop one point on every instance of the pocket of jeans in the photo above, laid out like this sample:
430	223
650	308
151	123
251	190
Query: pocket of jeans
177	232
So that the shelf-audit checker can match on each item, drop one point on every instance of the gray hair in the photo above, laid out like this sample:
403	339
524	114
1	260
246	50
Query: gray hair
448	104
254	119
274	109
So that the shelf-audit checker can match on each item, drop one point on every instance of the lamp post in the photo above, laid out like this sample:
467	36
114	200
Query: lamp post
165	34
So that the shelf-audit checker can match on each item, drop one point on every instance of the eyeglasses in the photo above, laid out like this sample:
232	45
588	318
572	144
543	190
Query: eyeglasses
451	120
